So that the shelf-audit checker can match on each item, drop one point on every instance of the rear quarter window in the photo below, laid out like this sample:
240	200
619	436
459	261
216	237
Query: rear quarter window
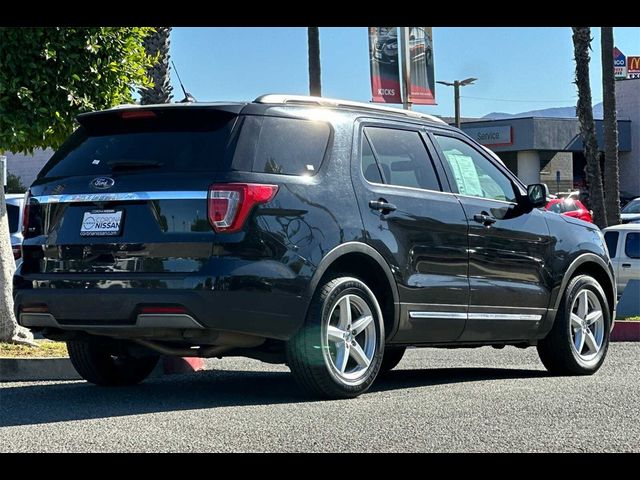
611	239
287	146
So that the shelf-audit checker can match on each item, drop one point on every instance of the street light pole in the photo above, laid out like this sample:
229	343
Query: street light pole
456	93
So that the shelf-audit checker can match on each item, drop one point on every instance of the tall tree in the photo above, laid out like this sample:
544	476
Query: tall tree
157	46
47	77
315	86
584	110
611	174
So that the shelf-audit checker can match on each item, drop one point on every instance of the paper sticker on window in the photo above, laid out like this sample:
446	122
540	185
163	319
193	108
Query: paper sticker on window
465	173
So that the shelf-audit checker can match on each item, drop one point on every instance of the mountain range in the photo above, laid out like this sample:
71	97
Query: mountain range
555	112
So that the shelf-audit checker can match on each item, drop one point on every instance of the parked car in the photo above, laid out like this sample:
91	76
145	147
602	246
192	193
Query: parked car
631	211
571	208
623	243
15	207
325	234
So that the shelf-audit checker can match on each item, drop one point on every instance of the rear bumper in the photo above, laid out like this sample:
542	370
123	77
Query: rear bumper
261	313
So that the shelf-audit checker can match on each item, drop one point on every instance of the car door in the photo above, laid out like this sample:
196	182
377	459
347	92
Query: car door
508	247
613	240
417	226
629	261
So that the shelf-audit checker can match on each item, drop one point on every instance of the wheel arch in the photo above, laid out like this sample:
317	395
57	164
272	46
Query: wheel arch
593	265
363	261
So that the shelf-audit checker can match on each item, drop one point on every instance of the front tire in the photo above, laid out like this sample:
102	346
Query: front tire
339	350
578	342
98	365
392	357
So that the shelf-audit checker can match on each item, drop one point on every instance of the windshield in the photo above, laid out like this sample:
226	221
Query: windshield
563	207
632	207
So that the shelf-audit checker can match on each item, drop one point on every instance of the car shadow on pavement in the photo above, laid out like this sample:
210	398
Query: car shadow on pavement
60	402
398	379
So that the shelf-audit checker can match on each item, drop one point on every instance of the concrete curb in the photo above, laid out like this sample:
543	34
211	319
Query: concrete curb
49	369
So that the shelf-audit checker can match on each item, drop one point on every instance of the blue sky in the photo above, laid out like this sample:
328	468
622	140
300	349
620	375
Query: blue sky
518	69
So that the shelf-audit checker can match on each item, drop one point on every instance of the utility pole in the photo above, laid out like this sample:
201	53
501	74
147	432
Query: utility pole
456	84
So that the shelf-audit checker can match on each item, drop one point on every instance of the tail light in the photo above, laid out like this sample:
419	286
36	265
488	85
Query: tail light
230	203
25	214
162	310
133	114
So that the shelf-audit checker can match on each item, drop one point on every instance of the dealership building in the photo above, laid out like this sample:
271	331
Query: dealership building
550	150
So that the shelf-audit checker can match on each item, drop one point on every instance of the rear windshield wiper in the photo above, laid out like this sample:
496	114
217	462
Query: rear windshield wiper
134	164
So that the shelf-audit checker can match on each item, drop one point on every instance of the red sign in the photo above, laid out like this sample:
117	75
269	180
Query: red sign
383	58
422	88
633	65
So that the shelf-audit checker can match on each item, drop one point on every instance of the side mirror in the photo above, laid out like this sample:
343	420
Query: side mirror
537	194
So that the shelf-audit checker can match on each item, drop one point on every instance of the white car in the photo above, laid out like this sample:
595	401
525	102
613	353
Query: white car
631	211
623	243
15	206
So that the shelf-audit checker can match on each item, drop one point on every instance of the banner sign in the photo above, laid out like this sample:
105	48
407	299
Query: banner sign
422	88
383	59
619	64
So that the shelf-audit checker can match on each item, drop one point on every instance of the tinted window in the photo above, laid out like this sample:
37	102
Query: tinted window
611	239
180	143
632	207
288	146
403	158
632	245
13	213
370	168
473	173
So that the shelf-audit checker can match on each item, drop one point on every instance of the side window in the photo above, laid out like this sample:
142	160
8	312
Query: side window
611	239
402	157
474	174
370	168
632	245
288	146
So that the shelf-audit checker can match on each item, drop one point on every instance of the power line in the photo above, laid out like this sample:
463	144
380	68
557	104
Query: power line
519	100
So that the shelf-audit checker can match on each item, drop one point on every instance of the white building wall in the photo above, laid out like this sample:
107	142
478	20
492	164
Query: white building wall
27	166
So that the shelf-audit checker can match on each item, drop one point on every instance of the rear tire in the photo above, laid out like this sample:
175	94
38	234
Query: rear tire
578	342
339	350
98	365
391	359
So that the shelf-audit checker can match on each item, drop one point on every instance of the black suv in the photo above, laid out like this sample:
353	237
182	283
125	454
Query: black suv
326	234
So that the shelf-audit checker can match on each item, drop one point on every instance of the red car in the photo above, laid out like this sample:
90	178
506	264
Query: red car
570	207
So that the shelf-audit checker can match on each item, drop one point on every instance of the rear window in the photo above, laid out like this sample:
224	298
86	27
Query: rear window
563	207
14	218
172	141
288	146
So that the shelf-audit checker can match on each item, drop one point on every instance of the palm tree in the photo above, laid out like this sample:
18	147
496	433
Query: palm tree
313	35
157	44
611	177
584	110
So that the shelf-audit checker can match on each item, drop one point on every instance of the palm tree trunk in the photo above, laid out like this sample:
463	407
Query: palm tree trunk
611	174
584	110
313	35
157	44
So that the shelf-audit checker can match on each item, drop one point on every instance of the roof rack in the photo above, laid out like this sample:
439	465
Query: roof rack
333	102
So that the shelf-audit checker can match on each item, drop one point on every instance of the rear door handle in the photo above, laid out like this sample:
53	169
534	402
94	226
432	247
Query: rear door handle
626	265
484	218
382	205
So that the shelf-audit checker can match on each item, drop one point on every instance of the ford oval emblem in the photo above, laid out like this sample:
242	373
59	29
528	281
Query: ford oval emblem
102	183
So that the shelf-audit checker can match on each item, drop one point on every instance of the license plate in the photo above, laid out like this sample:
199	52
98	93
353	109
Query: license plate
101	223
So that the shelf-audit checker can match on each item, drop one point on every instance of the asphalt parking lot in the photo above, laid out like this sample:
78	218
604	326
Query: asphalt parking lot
481	400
